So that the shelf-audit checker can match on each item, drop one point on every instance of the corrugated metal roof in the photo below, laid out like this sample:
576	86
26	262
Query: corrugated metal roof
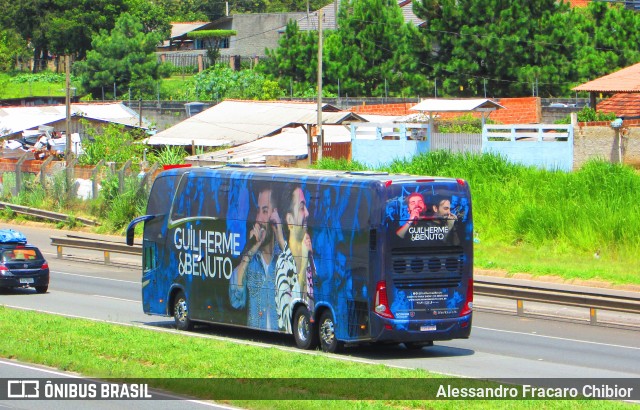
235	122
291	142
456	105
18	119
626	80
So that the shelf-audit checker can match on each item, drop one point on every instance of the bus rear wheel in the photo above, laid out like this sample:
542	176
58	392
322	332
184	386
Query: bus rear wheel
181	312
327	333
304	332
417	345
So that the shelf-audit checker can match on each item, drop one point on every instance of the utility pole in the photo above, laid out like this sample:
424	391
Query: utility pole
320	139
67	59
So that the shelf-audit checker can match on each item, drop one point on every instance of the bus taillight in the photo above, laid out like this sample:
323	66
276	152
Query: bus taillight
382	302
468	303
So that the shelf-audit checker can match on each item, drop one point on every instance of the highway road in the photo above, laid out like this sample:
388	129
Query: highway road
501	345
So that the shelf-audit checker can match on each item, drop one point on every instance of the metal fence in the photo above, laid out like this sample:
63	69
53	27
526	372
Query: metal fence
337	150
456	142
18	174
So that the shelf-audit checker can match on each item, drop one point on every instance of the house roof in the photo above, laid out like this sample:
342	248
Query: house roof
626	80
18	119
291	142
234	122
578	3
456	105
310	21
624	105
180	29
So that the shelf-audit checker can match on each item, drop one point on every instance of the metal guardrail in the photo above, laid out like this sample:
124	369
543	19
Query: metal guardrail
520	293
49	215
94	244
592	301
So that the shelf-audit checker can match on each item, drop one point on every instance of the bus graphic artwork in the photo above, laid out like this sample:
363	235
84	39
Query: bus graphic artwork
331	257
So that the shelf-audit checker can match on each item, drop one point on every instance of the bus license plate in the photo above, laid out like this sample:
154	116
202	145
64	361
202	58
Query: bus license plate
26	280
429	328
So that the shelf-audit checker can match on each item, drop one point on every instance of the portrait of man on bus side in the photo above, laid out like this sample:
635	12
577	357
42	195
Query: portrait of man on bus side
252	283
295	268
417	210
443	217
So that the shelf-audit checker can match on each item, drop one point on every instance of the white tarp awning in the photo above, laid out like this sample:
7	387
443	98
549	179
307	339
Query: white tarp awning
456	105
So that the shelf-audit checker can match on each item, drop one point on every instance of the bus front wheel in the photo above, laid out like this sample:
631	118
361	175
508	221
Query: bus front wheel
304	331
181	312
327	333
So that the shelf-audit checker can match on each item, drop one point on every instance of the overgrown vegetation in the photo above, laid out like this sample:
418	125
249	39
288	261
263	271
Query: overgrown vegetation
555	218
587	114
221	82
114	144
17	85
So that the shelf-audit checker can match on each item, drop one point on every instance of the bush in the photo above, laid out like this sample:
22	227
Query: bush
221	82
587	114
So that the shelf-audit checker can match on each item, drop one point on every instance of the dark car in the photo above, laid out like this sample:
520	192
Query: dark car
22	265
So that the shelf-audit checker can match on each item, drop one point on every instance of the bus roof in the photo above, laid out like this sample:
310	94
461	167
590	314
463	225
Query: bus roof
283	174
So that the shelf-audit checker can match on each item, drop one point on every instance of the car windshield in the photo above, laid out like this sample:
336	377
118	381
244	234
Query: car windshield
19	254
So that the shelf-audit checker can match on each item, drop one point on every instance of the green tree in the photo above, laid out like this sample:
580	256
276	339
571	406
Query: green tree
294	63
60	26
366	51
518	47
193	10
609	37
212	39
124	57
153	16
12	47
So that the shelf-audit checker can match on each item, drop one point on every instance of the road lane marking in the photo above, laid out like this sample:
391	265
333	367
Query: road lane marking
111	297
95	277
153	391
557	338
23	366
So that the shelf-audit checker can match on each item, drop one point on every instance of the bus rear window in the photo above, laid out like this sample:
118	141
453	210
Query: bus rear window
428	214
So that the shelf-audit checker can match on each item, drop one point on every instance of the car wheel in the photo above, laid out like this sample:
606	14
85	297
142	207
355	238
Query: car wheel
327	333
42	289
181	312
304	331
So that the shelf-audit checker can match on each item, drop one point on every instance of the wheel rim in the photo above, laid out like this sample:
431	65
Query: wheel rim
327	332
303	328
181	310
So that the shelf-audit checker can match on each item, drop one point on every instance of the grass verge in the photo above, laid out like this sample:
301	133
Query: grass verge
184	365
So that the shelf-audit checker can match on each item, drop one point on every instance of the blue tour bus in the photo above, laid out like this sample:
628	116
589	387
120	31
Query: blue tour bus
331	257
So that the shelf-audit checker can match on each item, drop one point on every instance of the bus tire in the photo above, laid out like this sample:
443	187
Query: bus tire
416	345
181	312
327	333
304	332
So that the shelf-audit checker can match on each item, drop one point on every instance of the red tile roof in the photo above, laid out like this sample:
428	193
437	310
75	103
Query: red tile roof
578	3
525	110
625	80
624	105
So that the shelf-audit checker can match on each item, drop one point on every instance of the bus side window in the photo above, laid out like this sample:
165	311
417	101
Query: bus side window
150	260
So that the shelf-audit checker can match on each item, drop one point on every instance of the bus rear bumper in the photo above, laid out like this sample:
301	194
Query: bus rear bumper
394	330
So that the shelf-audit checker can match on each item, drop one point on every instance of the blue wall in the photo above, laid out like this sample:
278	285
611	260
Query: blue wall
379	144
541	145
